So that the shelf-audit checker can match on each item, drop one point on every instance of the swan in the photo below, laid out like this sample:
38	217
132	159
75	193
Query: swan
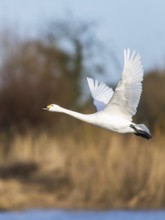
115	109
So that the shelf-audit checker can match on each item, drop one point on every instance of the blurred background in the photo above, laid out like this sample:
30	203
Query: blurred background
49	160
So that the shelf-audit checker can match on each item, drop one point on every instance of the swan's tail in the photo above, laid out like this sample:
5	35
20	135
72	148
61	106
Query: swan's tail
141	130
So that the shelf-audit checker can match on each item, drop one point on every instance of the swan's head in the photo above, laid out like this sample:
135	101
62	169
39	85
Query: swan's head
53	108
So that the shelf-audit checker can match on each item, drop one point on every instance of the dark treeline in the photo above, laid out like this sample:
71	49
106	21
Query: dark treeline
152	105
37	72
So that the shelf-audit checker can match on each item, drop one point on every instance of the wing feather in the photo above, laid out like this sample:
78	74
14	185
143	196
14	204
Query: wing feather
128	91
101	93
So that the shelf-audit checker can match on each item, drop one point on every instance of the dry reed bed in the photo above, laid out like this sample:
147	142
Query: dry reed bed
93	168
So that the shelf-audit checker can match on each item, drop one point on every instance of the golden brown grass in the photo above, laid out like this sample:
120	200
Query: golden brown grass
87	167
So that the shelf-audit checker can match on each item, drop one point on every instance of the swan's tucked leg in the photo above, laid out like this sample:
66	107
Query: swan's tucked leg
141	130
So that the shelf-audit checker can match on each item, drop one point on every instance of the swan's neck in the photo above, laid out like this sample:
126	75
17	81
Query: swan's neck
83	117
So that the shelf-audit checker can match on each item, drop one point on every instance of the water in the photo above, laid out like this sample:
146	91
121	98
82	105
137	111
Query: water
83	215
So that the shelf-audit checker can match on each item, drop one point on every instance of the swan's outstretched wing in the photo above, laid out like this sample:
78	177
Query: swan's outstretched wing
128	91
101	93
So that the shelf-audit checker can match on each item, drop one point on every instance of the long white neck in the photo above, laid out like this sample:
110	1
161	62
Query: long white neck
90	118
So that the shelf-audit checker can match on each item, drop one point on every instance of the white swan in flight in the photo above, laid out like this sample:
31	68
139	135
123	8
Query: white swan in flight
115	109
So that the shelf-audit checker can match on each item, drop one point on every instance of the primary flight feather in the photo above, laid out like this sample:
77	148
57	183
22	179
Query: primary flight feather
115	109
101	93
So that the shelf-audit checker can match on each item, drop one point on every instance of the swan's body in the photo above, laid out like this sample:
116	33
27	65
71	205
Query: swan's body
115	109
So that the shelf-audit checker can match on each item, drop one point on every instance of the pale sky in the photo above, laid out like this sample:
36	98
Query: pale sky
138	24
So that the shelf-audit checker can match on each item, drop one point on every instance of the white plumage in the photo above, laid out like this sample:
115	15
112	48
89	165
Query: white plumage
128	91
115	109
101	93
